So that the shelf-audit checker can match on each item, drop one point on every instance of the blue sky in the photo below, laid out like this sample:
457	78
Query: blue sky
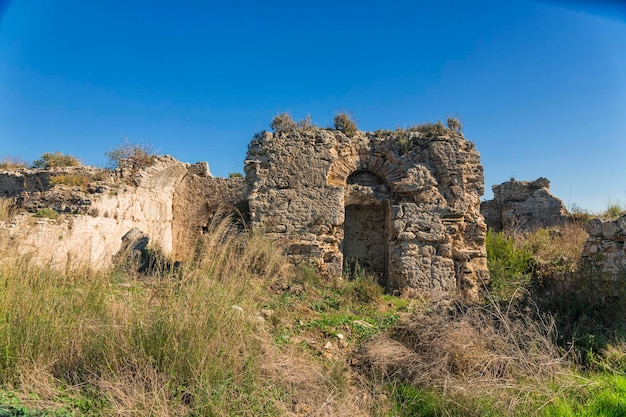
540	87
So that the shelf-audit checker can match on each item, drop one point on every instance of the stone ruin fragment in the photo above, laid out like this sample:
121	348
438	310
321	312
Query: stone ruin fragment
523	205
403	205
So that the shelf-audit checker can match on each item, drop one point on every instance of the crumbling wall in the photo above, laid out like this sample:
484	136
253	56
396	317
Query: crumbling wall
523	205
605	246
303	183
197	200
165	200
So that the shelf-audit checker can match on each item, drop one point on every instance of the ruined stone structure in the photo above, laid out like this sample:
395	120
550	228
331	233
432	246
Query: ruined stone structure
401	204
523	205
605	246
169	201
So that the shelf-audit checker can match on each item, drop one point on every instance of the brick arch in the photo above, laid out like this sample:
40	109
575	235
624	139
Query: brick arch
342	168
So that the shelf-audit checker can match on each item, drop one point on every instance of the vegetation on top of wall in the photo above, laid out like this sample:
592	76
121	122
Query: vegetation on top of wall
141	154
56	159
283	123
10	163
344	123
454	124
235	175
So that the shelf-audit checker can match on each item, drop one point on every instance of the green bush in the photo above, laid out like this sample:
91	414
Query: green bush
56	159
283	123
235	175
345	124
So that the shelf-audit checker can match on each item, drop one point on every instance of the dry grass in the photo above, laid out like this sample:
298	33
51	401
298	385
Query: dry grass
472	352
10	163
7	208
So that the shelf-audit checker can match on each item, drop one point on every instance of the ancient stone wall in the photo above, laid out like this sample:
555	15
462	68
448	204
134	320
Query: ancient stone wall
169	201
605	246
403	204
523	205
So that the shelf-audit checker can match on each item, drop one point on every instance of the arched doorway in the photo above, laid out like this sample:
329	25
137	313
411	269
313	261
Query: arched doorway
365	226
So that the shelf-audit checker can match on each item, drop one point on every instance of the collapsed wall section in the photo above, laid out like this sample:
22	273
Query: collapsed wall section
339	201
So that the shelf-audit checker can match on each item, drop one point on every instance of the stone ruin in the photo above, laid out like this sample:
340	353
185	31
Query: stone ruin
403	205
605	247
522	206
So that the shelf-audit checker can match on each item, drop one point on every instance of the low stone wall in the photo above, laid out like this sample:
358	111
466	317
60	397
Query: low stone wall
605	246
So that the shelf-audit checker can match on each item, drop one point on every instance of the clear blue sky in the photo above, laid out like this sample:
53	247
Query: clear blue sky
540	87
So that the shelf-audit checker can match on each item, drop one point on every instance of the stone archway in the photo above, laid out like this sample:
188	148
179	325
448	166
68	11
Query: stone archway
365	226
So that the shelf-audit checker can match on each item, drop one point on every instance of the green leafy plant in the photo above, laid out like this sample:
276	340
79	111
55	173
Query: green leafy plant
235	175
344	123
56	159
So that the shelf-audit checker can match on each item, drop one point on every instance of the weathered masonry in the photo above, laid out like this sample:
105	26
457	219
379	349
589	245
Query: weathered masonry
403	204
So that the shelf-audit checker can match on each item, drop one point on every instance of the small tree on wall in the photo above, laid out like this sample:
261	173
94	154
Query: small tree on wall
345	124
283	123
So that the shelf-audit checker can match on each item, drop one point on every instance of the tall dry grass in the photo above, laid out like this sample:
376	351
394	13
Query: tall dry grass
506	356
186	340
7	209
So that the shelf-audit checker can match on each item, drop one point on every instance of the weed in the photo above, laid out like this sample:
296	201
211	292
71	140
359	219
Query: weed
47	213
71	180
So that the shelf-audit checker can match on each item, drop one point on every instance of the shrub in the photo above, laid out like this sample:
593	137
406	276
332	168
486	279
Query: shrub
454	124
345	124
283	123
10	163
235	175
140	153
56	159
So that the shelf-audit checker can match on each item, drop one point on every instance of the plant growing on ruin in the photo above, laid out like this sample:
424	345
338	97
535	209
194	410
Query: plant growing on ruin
430	130
71	180
283	123
235	175
306	123
140	153
345	124
454	124
56	159
9	163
